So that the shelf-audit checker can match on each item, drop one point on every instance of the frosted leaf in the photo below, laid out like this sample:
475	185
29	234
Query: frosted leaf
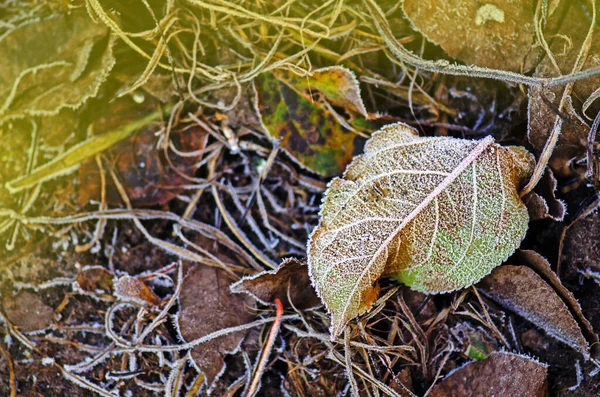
520	289
206	305
438	214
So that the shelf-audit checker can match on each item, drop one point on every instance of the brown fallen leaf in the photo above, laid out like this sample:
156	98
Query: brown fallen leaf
207	305
497	33
500	374
542	267
132	289
28	312
520	289
290	277
542	202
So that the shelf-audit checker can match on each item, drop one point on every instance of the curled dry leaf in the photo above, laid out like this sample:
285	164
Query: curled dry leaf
521	290
438	214
206	305
28	312
290	279
132	289
500	374
497	33
338	86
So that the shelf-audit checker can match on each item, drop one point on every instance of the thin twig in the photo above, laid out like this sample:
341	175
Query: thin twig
266	352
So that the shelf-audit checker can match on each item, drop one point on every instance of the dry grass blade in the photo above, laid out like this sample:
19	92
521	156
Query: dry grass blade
238	233
70	160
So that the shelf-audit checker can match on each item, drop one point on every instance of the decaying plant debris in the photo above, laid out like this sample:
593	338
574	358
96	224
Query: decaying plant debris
164	164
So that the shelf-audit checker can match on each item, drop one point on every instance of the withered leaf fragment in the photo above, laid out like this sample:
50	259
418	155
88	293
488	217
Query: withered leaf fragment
542	202
438	214
337	85
501	374
206	305
95	279
521	290
291	275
